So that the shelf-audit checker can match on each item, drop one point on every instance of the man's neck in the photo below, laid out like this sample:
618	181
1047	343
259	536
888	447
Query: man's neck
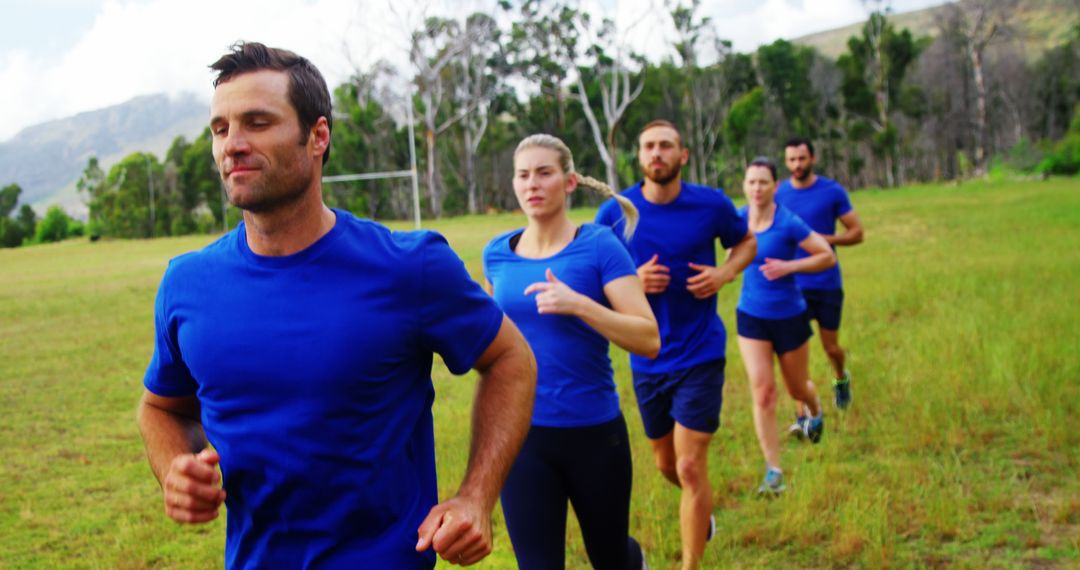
803	184
656	193
290	229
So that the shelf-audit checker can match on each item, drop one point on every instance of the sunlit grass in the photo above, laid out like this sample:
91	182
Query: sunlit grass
961	449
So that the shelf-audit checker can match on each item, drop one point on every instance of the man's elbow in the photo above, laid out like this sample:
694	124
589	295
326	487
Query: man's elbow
652	344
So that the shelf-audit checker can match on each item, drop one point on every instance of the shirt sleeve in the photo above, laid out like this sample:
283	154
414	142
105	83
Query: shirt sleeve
842	203
611	215
730	227
797	228
613	258
458	319
167	375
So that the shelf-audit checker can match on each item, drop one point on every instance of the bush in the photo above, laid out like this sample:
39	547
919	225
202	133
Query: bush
55	226
1065	158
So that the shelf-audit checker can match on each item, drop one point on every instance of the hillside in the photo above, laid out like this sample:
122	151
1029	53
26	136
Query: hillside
47	159
1039	25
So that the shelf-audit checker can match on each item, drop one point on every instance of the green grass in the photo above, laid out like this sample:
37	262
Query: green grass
961	449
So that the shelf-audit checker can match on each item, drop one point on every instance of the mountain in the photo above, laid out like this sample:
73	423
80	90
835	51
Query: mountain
1039	24
46	160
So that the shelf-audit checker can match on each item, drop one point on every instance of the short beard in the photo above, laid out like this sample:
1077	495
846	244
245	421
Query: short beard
260	201
806	175
663	180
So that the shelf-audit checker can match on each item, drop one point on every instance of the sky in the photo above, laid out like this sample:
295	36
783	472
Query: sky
62	57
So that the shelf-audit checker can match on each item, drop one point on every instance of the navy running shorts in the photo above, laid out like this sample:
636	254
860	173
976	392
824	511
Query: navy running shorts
825	306
784	334
691	396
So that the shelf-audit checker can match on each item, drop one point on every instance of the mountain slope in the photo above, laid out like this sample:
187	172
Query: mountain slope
47	159
1038	24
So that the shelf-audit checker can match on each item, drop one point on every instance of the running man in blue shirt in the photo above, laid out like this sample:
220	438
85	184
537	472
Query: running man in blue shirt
680	391
820	202
772	315
571	289
300	346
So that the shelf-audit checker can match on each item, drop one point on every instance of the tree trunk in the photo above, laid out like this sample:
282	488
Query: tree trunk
980	111
470	172
433	188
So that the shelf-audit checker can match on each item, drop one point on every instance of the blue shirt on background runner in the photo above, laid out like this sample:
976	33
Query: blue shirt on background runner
819	206
313	372
680	232
781	298
574	385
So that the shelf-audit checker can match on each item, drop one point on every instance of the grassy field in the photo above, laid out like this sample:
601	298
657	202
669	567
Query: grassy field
962	448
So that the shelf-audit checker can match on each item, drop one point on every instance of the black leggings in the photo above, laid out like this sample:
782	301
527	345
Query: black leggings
589	466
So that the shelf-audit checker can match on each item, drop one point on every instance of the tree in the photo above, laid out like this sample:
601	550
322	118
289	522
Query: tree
434	49
542	39
55	226
11	233
120	204
200	184
981	22
873	76
481	64
708	92
366	139
27	220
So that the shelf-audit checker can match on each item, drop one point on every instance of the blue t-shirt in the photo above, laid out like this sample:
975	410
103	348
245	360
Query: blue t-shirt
781	298
313	371
819	206
682	231
574	385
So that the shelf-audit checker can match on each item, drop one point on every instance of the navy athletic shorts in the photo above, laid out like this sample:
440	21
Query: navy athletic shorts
784	334
825	306
691	396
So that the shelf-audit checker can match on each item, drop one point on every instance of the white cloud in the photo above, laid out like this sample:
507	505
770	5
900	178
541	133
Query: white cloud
136	47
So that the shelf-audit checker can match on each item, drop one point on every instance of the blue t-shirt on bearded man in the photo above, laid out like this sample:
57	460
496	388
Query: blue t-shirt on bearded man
680	232
313	371
819	206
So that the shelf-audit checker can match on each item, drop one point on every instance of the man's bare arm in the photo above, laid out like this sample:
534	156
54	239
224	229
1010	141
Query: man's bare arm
460	528
176	449
709	279
853	231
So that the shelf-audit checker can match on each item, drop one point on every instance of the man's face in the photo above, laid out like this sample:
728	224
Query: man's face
799	162
256	142
661	154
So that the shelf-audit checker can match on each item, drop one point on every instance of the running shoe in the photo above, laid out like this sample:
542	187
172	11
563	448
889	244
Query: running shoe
773	484
712	528
815	426
842	391
798	429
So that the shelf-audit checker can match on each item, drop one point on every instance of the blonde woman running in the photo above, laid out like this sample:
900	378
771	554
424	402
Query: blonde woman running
571	289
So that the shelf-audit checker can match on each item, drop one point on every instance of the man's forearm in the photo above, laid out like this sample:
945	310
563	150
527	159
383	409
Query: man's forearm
501	416
167	434
740	255
849	237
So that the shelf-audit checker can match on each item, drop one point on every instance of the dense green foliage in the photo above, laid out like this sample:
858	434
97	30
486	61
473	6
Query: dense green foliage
960	449
898	106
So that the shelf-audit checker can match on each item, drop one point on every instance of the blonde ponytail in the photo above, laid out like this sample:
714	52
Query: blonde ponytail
566	161
630	212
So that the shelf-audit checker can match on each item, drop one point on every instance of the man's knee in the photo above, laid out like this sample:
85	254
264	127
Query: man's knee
691	470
